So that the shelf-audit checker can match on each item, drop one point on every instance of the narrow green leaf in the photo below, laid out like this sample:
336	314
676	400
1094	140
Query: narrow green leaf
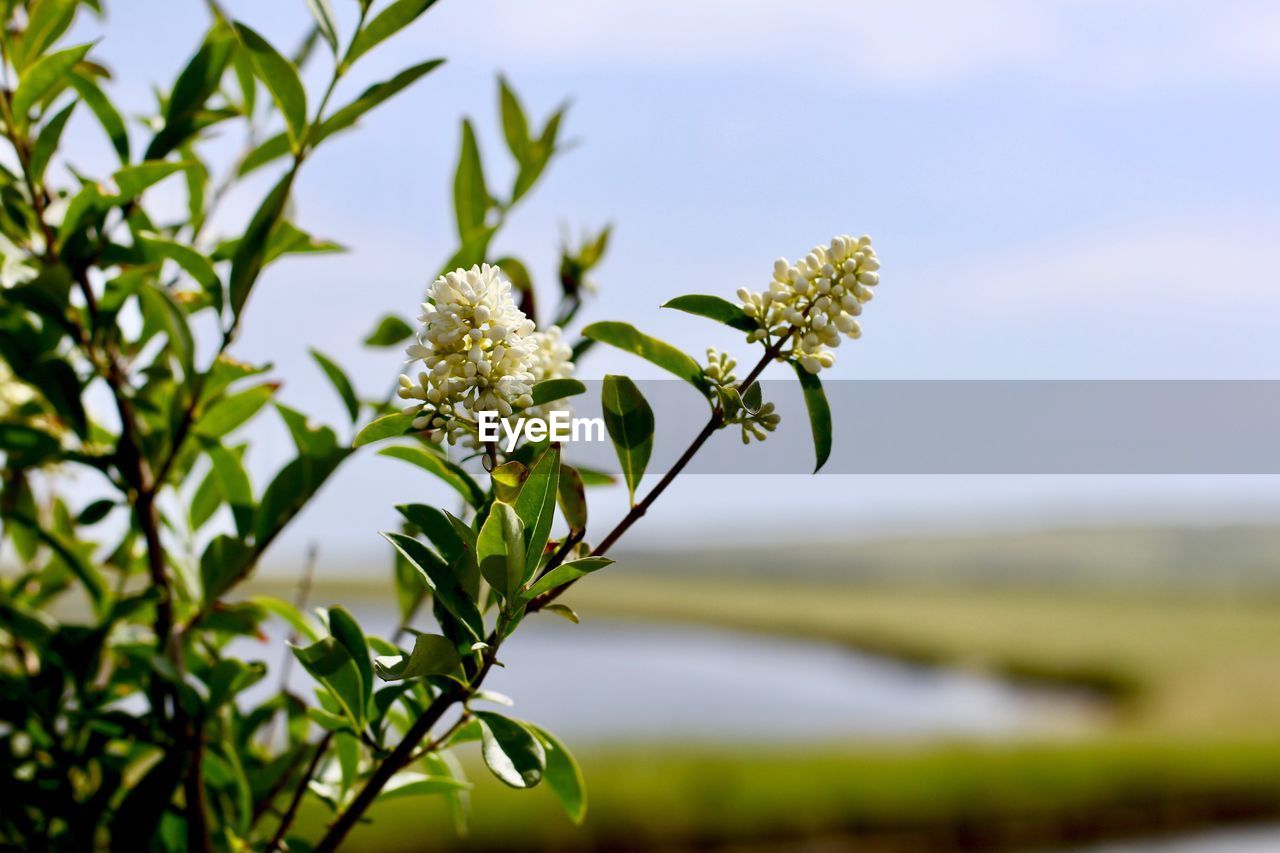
340	383
815	400
194	86
563	776
87	573
390	21
470	195
437	465
572	497
500	549
95	512
322	11
535	504
158	303
47	141
624	336
419	784
372	97
443	579
281	79
329	663
250	254
387	426
192	262
346	630
714	308
235	484
432	655
272	149
565	573
133	180
294	618
104	111
42	76
436	526
564	611
629	421
550	390
515	126
225	561
230	412
391	330
510	750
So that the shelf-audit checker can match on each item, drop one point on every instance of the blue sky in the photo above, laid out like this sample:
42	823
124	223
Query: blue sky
1057	189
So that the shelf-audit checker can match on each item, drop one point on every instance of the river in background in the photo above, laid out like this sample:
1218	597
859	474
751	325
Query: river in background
616	681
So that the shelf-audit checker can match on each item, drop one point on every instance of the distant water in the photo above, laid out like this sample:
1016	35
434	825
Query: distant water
623	680
1258	839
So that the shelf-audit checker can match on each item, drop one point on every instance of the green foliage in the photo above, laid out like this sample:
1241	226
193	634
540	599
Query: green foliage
815	401
629	421
626	337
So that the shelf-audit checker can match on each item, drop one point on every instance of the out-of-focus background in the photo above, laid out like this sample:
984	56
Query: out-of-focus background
1057	189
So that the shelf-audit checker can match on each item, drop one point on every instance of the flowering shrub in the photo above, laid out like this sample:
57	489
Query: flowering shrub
124	717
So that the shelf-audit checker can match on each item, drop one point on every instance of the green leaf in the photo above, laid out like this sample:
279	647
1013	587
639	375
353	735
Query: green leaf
87	202
500	549
104	111
550	390
563	775
234	480
347	631
133	180
194	86
432	655
510	750
387	426
224	562
391	330
437	465
47	21
158	304
437	527
329	663
95	512
251	252
629	421
515	126
47	72
234	410
372	97
47	142
87	573
272	149
624	336
535	504
443	579
564	611
282	81
301	625
394	18
815	400
322	11
507	479
340	383
194	263
572	497
470	195
418	784
566	573
714	308
539	155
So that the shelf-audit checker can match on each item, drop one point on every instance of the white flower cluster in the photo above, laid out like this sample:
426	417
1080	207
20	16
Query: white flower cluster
479	349
816	300
553	358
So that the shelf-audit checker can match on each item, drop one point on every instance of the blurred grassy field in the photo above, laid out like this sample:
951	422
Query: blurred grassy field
1194	741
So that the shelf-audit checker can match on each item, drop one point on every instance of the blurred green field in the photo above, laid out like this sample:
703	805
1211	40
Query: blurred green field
1193	739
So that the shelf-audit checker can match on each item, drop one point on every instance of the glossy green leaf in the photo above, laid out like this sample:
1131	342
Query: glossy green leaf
234	410
470	195
629	422
273	148
47	141
251	252
535	504
714	308
95	512
434	463
419	784
815	401
235	484
572	497
436	526
390	21
193	88
550	390
624	336
132	181
432	655
500	549
566	573
563	775
281	79
340	382
224	562
290	615
41	77
346	630
372	97
387	426
443	579
510	750
390	331
329	663
104	111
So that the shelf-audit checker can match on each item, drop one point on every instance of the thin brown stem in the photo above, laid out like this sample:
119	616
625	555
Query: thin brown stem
296	801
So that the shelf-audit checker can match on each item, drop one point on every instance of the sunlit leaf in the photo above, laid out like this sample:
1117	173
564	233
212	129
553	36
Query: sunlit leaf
626	337
566	573
390	21
815	401
714	308
629	421
510	750
281	79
